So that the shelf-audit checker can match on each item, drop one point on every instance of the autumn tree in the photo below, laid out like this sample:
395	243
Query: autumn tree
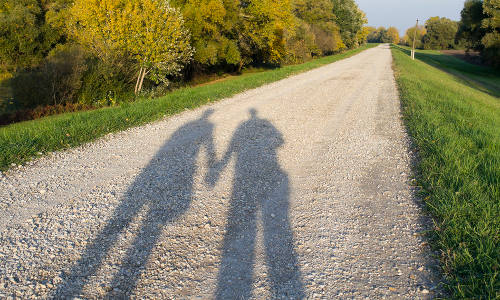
316	18
213	25
263	28
151	32
362	35
372	34
417	33
392	35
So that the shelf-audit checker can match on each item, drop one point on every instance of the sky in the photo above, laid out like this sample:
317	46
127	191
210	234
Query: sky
404	13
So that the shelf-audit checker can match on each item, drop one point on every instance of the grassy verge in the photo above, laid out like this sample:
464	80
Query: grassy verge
23	141
480	77
455	126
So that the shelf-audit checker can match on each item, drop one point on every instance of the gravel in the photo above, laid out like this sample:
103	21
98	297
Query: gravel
297	189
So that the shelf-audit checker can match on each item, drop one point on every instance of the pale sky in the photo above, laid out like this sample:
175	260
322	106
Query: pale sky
403	13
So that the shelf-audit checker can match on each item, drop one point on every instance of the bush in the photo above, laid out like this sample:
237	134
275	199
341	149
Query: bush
301	45
107	83
56	81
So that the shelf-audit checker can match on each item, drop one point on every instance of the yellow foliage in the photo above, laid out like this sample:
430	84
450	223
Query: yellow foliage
264	25
149	31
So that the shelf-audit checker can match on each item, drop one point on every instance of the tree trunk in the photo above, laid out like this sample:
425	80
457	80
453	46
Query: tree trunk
138	80
142	80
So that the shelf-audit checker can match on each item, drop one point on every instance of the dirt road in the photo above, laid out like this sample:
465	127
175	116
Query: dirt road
298	189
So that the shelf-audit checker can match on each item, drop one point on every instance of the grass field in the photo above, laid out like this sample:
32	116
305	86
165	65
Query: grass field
452	112
22	141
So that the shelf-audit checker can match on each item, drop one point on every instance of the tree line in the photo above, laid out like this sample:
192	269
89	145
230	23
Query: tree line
478	30
100	52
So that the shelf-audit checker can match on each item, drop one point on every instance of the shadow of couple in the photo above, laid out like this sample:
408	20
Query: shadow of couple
165	190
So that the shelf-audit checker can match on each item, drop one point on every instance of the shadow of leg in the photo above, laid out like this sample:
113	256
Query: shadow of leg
281	258
135	261
236	271
94	254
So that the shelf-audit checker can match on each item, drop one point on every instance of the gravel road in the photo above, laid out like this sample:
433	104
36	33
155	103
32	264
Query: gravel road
298	189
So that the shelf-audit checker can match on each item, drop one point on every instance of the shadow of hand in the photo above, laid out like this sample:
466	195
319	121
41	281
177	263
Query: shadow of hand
213	174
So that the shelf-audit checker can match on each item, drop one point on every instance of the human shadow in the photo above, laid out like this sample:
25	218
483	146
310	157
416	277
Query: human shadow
165	190
259	185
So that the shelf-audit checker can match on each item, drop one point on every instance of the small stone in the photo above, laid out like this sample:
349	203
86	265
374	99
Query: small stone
273	215
424	291
421	269
42	191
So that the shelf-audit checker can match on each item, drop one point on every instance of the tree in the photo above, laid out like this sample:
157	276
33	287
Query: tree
26	37
263	29
470	29
350	20
480	28
383	35
440	34
372	36
491	40
213	25
151	32
392	35
362	35
410	35
316	17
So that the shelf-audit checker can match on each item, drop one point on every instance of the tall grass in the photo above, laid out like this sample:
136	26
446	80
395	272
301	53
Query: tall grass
455	126
23	141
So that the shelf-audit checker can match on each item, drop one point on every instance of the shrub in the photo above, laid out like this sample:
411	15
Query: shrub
107	83
56	81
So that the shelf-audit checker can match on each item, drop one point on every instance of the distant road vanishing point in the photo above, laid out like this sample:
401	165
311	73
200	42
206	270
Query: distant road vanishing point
297	189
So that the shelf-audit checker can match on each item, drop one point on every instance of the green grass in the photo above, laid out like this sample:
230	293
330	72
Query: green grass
453	116
480	77
22	141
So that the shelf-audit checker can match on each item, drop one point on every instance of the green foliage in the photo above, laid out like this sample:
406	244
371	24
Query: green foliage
56	81
454	123
470	29
479	28
19	34
27	33
107	83
440	34
301	44
491	40
350	20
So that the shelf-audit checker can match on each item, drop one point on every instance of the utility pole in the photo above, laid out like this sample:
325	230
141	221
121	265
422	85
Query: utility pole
414	38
